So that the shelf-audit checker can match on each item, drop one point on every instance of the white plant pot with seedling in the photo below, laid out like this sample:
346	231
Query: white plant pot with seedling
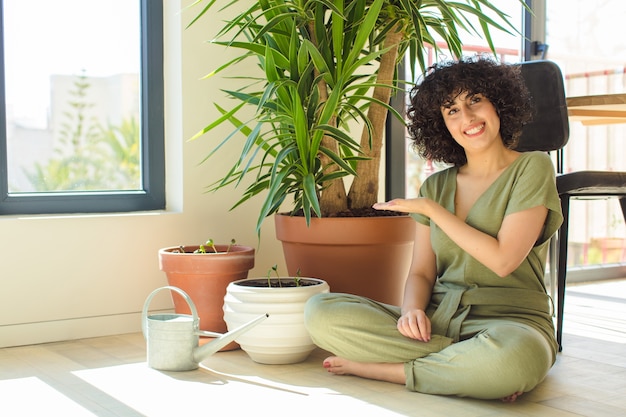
282	338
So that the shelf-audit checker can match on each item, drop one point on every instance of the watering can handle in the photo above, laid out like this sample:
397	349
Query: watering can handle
194	312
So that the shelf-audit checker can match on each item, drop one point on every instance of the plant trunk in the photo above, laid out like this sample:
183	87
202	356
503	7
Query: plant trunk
333	198
364	190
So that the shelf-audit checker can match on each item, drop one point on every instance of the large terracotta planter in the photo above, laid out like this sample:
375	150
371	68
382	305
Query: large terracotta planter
367	256
282	338
204	277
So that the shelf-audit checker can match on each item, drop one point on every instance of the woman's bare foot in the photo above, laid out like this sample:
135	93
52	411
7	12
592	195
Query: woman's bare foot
511	398
389	372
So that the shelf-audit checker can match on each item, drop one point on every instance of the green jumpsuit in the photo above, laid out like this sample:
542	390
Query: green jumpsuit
491	336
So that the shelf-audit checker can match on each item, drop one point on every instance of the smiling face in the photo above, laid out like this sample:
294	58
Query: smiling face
472	121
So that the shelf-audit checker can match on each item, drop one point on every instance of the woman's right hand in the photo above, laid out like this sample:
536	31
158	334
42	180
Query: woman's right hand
415	324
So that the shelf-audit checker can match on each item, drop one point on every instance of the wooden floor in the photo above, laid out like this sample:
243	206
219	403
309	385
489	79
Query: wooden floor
108	376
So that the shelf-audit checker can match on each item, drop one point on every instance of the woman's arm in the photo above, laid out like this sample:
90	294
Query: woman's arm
503	254
418	288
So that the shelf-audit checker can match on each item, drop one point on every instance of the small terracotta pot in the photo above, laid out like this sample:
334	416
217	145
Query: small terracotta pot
204	277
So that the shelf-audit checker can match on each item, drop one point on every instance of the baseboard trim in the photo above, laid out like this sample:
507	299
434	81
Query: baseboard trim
592	273
69	329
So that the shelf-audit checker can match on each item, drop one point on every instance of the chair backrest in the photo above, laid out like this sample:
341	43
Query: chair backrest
549	130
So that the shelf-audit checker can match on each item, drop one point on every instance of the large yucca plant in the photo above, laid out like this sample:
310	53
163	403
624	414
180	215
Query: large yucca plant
325	65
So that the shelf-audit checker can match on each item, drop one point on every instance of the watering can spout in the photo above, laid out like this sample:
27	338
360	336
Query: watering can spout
203	352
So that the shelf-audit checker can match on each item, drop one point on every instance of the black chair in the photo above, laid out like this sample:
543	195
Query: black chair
549	132
582	185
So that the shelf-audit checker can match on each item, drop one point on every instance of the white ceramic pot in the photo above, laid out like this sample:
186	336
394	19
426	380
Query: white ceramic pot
282	337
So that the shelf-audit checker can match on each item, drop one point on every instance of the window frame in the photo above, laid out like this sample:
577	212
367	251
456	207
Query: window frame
152	194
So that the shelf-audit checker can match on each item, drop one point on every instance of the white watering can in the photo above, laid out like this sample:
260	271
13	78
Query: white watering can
172	339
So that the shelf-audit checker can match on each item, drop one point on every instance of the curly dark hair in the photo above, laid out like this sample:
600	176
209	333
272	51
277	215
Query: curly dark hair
501	84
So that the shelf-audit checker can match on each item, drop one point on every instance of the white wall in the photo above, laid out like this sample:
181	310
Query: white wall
76	276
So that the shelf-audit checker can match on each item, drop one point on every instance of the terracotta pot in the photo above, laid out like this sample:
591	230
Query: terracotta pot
368	256
282	338
204	277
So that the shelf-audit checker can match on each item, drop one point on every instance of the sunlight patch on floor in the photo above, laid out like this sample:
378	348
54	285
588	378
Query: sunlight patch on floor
155	393
31	396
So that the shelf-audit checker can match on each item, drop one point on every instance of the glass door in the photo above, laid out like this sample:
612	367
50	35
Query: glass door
584	39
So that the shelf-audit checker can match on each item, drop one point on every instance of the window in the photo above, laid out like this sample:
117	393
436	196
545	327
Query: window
81	106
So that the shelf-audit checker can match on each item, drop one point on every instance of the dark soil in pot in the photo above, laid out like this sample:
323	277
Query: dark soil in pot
284	283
